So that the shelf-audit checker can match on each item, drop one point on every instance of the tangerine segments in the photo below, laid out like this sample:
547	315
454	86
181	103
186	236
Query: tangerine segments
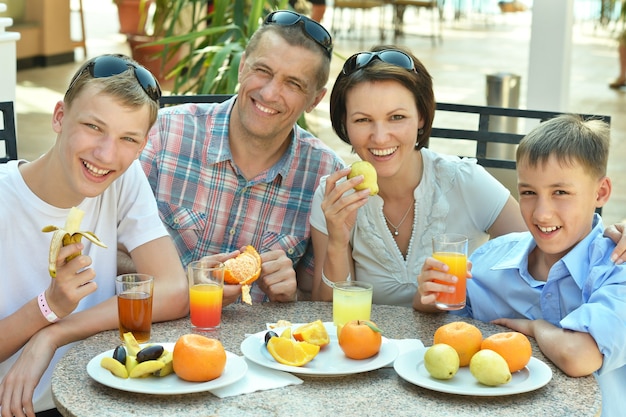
291	352
243	269
314	333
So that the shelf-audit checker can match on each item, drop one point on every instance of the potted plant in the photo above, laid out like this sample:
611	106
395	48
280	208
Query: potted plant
132	15
216	36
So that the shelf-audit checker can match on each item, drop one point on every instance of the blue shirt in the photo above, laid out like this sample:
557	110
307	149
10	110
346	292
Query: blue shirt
585	292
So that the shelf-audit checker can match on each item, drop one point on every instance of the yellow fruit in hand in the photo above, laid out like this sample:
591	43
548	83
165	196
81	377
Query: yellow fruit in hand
370	177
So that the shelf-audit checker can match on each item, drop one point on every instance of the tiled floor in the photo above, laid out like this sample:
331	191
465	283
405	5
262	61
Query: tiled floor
473	47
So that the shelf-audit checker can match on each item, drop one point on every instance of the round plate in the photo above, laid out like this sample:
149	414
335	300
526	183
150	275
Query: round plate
236	368
330	361
410	366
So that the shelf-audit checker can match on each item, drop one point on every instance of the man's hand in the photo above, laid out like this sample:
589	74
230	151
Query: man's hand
278	278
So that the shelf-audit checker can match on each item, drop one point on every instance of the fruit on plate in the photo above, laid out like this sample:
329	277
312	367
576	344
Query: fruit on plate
70	233
441	361
465	338
514	347
370	177
360	339
489	368
291	352
130	355
314	333
243	269
198	358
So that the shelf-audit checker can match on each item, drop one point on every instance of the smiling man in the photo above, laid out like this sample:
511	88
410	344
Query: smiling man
243	172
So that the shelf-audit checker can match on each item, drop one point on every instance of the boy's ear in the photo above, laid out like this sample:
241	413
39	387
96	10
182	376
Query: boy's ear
604	191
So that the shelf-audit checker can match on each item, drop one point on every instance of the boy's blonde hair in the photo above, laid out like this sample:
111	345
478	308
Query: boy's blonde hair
571	139
124	88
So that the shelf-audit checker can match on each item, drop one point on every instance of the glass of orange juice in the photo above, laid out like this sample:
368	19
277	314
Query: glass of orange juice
134	305
206	287
352	300
451	249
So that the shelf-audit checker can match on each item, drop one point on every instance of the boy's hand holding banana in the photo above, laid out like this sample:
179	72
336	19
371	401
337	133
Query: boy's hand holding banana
66	236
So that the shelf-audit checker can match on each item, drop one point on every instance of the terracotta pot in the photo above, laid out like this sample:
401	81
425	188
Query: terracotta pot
150	56
129	13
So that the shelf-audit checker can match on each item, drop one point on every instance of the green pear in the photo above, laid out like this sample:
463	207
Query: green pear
441	361
489	368
370	178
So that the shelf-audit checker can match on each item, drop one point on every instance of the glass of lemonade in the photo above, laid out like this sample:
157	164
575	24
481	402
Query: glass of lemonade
206	288
134	305
451	249
352	300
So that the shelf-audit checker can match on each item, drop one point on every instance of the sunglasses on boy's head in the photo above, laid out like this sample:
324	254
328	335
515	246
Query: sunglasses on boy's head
313	29
390	56
111	65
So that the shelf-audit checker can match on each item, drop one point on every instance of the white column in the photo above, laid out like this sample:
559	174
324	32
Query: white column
8	58
550	55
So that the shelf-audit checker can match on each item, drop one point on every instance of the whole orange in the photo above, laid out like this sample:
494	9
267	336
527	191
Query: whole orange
465	338
514	347
197	358
360	339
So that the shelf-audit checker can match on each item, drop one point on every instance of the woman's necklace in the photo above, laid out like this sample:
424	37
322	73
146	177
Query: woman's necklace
395	228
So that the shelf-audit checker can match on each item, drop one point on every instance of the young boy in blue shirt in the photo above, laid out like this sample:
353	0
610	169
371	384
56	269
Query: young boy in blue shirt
555	283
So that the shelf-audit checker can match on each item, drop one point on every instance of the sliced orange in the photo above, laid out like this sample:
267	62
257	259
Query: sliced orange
314	333
243	269
291	352
286	333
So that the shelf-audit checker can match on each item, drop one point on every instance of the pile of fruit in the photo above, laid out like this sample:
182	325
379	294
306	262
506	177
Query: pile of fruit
195	358
491	360
359	339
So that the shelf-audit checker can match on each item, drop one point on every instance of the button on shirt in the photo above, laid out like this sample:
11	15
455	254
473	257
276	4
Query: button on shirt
206	203
585	292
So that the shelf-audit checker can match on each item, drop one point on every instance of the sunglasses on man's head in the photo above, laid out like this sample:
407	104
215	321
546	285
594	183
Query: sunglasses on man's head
390	56
111	65
313	29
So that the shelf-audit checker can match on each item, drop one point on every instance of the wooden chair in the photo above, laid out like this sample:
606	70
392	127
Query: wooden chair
435	7
355	23
8	139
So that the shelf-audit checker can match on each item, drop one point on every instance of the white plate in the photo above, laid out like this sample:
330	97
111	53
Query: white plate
236	368
410	366
330	361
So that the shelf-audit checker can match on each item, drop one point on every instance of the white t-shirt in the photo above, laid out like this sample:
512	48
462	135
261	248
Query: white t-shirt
126	212
455	195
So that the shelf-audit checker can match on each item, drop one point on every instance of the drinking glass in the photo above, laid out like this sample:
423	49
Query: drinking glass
451	249
134	305
352	300
206	288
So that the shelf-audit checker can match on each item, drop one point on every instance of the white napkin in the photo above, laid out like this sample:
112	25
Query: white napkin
405	345
258	378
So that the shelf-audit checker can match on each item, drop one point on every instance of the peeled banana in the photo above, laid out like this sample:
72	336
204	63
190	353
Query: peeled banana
66	236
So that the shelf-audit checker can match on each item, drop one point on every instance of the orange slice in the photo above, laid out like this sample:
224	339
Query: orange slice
314	333
291	352
243	269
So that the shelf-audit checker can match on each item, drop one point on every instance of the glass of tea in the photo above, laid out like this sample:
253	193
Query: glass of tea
134	305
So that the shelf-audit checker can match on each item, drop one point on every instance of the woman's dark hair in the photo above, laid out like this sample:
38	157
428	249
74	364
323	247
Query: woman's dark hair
419	82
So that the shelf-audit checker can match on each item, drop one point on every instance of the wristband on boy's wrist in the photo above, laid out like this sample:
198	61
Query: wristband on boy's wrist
45	308
330	283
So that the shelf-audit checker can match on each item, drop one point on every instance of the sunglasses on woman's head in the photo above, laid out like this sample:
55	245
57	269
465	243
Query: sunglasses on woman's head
313	29
111	65
390	56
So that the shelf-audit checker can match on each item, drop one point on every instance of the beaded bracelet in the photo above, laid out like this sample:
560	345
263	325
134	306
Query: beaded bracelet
45	308
330	283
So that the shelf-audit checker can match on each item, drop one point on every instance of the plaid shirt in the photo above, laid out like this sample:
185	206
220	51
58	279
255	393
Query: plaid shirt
209	207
